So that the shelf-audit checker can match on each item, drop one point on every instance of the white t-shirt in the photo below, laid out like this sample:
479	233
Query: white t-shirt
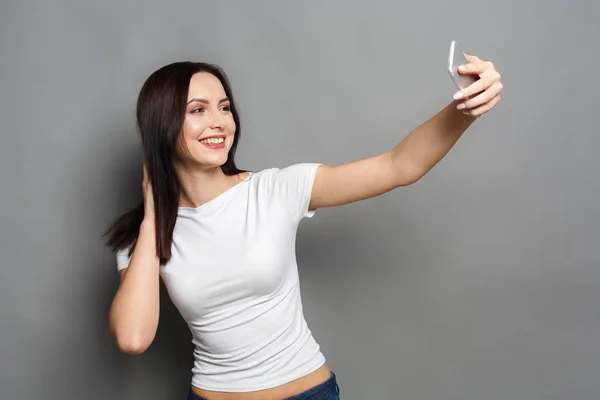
233	277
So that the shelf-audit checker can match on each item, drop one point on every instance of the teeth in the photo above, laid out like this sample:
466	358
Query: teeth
213	141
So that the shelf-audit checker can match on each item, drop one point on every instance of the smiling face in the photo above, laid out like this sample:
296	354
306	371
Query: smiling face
208	128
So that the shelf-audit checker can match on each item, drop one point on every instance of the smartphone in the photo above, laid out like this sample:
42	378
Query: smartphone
456	57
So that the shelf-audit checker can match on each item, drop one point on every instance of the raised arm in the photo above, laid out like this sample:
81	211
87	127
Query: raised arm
134	312
417	153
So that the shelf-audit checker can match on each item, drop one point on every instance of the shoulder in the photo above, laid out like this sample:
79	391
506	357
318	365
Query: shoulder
297	178
289	172
288	186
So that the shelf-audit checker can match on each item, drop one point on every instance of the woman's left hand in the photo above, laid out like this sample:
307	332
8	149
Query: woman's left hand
482	95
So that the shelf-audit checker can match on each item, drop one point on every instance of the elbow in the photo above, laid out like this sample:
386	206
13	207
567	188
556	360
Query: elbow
131	337
411	174
131	347
407	179
405	173
132	344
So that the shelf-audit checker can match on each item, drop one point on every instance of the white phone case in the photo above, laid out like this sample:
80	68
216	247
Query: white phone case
456	57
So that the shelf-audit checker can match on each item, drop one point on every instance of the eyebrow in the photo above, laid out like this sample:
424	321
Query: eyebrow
204	101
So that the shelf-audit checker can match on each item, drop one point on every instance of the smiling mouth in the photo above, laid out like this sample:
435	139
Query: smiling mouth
213	140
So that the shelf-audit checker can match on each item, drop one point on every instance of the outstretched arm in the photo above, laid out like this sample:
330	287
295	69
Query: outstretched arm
417	153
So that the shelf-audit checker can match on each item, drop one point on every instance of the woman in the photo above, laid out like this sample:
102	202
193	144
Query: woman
223	239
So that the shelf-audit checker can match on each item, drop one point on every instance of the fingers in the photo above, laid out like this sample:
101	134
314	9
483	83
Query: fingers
487	81
475	66
476	112
483	97
471	58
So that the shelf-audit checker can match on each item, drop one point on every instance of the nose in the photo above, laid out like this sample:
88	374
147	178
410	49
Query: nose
216	120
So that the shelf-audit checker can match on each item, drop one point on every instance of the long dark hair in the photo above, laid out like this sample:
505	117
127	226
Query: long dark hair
161	108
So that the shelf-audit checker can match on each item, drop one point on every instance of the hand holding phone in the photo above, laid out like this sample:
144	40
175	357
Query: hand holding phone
456	57
479	87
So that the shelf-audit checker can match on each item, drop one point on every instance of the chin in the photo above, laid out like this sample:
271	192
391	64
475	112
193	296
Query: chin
207	157
212	161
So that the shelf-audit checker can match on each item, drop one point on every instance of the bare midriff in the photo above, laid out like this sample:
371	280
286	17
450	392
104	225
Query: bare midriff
284	391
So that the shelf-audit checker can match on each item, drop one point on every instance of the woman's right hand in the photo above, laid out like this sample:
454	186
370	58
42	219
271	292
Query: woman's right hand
148	196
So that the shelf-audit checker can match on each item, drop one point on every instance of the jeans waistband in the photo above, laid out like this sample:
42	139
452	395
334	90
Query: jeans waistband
323	391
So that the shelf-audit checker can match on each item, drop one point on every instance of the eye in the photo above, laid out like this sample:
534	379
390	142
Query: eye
226	108
197	110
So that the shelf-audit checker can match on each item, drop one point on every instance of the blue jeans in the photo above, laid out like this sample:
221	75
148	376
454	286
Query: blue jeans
328	390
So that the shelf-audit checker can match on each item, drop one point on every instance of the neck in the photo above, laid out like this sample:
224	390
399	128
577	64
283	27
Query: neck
199	186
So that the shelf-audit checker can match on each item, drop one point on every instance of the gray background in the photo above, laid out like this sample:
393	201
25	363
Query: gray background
481	281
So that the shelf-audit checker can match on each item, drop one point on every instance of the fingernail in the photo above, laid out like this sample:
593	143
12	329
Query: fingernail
462	68
458	95
460	106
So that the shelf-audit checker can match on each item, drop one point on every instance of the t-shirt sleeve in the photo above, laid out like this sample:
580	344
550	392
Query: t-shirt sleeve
123	259
292	187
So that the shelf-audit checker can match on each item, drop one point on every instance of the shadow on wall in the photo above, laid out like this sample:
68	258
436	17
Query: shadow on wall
164	370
